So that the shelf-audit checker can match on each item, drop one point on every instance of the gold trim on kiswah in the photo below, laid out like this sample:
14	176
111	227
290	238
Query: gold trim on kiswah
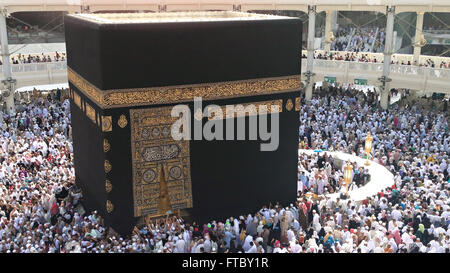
122	122
77	100
246	109
108	186
106	123
297	104
184	93
108	166
109	206
289	105
90	112
106	145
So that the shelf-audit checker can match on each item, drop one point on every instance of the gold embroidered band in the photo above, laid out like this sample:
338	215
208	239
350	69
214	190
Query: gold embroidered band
176	94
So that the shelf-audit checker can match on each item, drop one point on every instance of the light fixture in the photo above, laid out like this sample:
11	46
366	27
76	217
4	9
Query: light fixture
368	147
330	37
348	175
9	85
422	41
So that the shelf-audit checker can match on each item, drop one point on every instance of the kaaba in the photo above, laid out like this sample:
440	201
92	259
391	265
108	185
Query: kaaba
126	73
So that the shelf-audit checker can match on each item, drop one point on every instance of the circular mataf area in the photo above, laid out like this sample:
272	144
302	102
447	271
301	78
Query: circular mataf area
381	178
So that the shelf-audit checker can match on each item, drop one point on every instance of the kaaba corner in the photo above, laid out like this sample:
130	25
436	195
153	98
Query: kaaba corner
128	71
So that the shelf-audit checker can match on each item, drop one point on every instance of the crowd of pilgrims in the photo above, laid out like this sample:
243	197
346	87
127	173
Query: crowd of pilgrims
37	58
41	207
321	175
365	58
355	39
336	56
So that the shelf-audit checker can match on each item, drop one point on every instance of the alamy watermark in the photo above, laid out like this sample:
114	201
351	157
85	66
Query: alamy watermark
213	129
373	2
74	2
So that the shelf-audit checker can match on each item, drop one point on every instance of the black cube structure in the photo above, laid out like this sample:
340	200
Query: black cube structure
127	71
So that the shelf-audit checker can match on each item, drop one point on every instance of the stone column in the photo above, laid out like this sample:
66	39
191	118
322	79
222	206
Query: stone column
7	73
310	60
327	31
387	58
417	48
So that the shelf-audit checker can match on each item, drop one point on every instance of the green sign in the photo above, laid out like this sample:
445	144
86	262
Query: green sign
360	81
330	79
438	41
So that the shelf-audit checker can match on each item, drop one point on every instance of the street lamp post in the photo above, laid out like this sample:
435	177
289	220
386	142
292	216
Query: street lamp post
8	93
8	83
368	147
348	175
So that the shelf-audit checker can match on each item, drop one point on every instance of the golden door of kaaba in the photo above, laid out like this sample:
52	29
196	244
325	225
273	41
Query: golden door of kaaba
152	144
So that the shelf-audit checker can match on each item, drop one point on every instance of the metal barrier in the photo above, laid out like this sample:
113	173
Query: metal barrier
405	76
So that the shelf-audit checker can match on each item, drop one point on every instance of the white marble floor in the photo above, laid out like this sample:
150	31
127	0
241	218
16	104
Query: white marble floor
380	177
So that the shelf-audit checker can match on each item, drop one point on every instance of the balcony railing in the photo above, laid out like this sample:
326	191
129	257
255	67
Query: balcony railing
339	67
345	69
32	67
